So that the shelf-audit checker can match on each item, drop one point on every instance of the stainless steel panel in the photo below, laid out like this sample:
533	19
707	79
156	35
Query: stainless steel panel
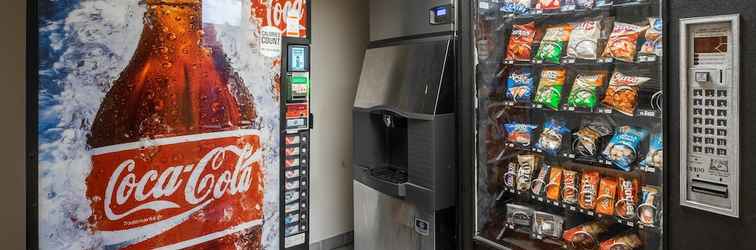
405	77
383	222
398	18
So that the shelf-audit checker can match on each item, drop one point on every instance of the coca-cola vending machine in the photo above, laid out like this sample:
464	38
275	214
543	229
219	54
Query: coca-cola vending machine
168	124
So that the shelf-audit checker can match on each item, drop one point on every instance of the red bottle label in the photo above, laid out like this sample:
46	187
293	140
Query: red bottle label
178	192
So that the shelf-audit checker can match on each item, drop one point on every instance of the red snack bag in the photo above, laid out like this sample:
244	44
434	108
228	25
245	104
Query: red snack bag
623	42
520	47
548	5
628	198
607	194
629	241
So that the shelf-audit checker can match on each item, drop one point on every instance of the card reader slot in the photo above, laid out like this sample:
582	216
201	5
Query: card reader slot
710	188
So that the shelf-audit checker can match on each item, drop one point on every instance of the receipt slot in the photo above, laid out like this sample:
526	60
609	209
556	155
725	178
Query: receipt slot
709	92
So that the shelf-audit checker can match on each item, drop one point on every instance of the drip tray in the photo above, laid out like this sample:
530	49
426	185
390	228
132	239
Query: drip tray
390	174
386	179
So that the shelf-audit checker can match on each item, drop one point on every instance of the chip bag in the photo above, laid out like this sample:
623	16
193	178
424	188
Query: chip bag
518	7
584	40
520	47
553	43
622	150
647	214
653	43
548	5
623	42
655	156
622	94
549	91
540	181
550	140
586	139
520	85
606	196
586	236
583	93
527	165
553	189
520	134
570	186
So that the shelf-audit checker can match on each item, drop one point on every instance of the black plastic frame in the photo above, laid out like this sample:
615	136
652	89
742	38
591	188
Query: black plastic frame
32	112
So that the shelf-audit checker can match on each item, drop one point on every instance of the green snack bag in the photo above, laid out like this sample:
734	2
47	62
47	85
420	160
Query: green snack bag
583	93
553	43
549	91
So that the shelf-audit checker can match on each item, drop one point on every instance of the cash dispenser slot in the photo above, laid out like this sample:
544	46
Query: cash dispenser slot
710	188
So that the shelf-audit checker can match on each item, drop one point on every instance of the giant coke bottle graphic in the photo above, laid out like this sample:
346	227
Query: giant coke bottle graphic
176	161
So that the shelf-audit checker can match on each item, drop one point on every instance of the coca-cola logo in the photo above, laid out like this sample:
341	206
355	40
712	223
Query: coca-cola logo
179	186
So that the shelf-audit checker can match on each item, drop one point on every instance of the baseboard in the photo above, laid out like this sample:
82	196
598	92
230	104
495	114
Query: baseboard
334	242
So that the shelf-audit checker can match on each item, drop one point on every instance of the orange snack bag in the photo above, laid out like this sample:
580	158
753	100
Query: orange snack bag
520	47
628	198
607	194
555	181
623	42
589	190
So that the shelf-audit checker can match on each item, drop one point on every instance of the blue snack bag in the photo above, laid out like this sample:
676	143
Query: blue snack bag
520	85
520	134
655	156
550	141
518	7
622	150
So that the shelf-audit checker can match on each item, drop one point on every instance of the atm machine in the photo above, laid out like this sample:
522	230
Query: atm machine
404	123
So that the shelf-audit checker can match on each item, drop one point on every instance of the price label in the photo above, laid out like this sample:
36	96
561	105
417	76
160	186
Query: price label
590	213
649	113
630	224
572	208
540	199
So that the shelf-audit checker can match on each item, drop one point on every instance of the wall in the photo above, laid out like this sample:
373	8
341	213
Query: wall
12	107
339	40
690	228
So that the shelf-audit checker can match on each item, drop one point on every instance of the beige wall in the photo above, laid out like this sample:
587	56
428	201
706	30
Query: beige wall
340	37
12	133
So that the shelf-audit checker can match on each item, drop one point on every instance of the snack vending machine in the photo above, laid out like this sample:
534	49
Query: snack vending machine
570	124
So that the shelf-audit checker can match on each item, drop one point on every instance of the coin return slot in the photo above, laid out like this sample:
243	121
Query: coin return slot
710	188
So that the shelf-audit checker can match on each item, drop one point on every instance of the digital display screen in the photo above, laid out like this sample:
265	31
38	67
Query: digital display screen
298	58
441	12
714	44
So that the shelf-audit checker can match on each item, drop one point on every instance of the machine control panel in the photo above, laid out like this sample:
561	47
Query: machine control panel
709	90
443	14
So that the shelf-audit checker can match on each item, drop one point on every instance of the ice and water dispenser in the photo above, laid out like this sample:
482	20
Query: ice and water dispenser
404	129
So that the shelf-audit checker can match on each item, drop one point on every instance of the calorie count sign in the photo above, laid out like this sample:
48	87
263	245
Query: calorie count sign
281	14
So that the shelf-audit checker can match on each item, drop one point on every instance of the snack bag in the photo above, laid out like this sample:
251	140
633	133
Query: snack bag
606	197
584	40
583	93
622	94
569	189
555	181
547	224
540	182
585	236
553	42
655	156
519	134
628	241
549	91
510	175
653	43
520	85
517	7
550	140
548	5
584	4
628	198
647	209
589	190
520	47
527	164
623	42
586	139
622	150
